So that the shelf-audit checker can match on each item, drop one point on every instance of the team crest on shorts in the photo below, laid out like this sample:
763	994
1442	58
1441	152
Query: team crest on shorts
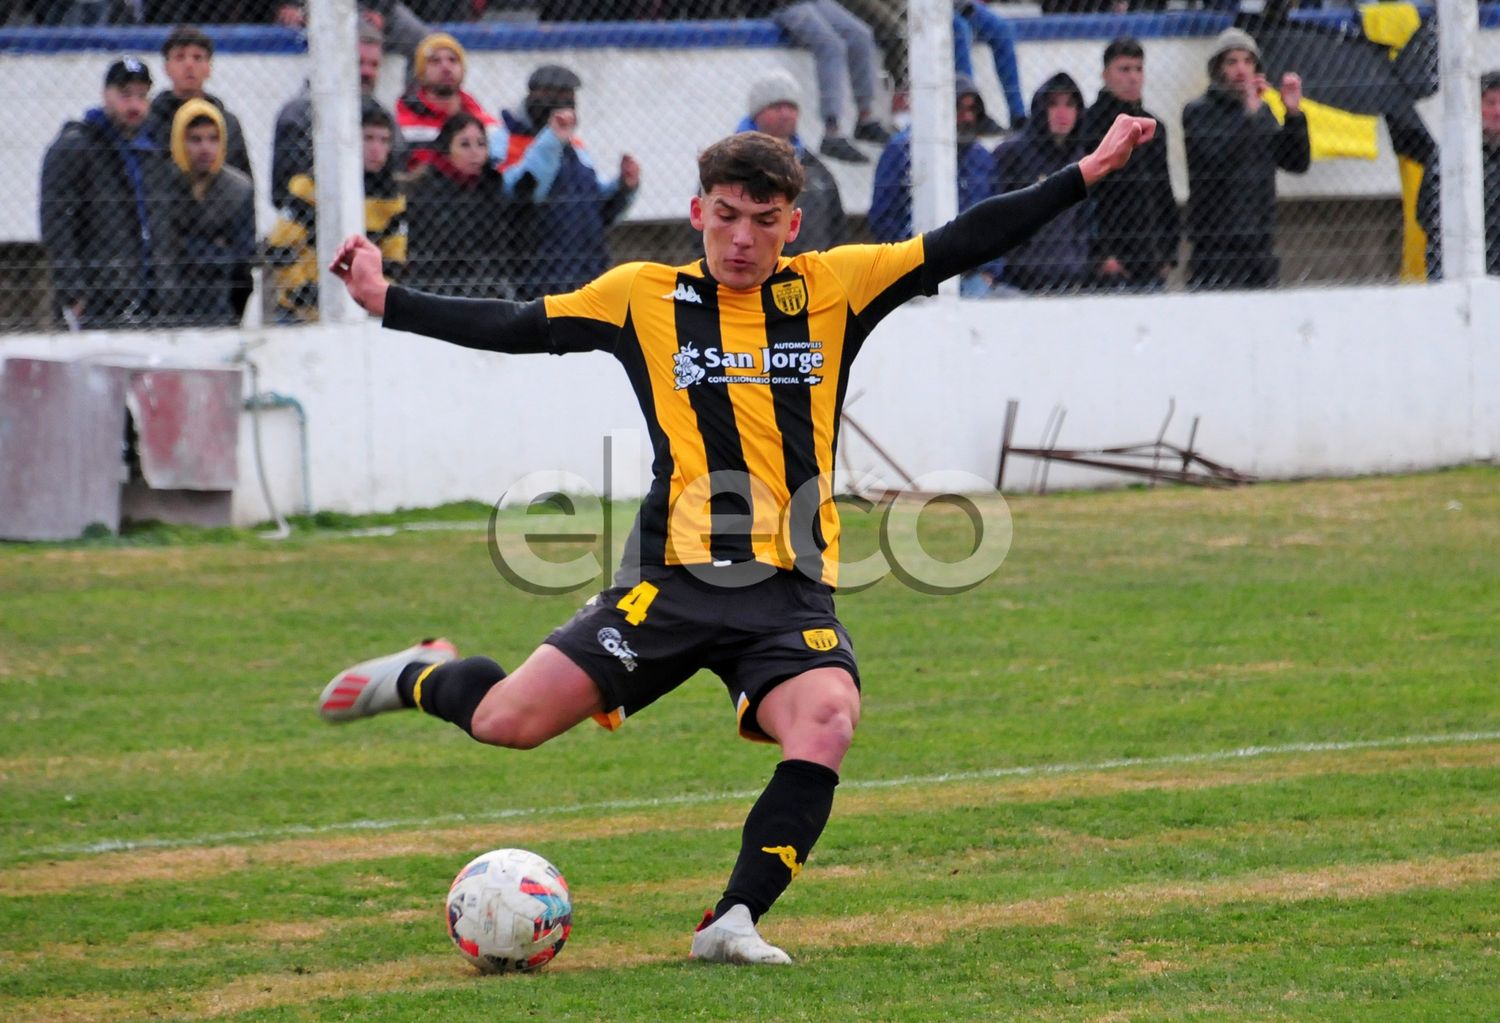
821	639
790	296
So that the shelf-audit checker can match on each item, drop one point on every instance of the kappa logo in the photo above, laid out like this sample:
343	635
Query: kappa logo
611	640
787	855
685	293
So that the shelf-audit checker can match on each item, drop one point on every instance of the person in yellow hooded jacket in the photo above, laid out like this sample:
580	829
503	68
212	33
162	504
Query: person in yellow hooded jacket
211	222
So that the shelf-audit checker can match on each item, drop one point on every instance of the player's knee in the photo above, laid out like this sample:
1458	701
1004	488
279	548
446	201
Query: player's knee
829	721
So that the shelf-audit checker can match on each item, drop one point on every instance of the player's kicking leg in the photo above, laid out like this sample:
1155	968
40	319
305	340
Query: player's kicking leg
544	697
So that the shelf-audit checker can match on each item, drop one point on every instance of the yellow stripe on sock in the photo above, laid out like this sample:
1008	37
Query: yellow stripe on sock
416	687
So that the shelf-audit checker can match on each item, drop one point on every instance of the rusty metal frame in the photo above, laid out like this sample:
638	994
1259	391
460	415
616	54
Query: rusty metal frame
1143	459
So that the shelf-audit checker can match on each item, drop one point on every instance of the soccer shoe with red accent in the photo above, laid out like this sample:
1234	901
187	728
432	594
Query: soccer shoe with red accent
369	687
732	938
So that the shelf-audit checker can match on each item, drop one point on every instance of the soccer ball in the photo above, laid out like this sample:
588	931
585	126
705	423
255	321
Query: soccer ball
509	910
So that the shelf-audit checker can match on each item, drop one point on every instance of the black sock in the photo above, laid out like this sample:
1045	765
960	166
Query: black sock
779	833
450	691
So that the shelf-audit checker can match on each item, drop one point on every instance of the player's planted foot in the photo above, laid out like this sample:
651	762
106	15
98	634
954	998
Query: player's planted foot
369	687
732	938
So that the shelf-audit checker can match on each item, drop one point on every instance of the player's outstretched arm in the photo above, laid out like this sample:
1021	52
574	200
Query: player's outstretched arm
488	324
989	229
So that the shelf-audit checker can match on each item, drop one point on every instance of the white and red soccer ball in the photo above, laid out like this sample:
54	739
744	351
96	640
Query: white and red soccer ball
509	910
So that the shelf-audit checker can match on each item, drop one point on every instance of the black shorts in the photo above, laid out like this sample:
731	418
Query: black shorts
640	642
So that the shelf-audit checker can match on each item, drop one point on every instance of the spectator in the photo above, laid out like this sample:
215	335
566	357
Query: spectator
572	205
1428	210
401	30
890	206
292	142
436	96
462	225
887	19
844	54
102	181
292	246
974	20
1135	225
188	58
1234	146
775	103
1057	256
211	222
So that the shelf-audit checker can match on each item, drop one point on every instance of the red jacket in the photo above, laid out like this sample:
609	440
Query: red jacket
420	121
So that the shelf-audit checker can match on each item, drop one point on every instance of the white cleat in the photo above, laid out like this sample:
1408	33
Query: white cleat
732	938
369	687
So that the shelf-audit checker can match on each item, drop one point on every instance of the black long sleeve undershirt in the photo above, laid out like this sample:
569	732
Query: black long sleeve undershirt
989	229
488	324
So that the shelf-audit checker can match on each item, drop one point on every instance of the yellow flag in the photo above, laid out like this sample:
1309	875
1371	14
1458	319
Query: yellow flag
1333	133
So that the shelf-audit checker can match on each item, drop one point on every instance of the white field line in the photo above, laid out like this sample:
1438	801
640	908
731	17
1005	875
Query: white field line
616	805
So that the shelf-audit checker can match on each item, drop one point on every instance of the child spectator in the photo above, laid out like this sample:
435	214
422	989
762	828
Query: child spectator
188	58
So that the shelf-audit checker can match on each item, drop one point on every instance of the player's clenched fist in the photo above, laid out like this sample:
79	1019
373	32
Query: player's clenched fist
1114	150
357	263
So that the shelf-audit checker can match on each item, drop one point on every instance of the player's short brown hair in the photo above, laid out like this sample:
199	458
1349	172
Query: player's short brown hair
763	165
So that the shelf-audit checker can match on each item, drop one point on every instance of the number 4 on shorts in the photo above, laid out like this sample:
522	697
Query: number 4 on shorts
637	602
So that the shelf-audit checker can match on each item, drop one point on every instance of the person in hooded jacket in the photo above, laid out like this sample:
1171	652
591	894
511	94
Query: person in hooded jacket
211	222
188	58
890	203
1234	145
463	237
292	246
1057	257
571	204
100	208
1135	225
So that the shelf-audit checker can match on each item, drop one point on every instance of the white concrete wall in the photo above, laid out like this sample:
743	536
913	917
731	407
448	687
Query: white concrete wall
661	105
1299	383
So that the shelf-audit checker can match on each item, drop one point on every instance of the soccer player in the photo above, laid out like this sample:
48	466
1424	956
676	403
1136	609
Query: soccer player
739	361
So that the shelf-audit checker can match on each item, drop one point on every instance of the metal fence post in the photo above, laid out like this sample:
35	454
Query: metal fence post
337	153
934	142
1462	173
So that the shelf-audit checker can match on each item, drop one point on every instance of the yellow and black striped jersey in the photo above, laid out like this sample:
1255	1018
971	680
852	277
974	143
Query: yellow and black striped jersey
741	392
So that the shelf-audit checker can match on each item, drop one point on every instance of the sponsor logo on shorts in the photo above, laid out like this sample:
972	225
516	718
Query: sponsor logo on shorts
611	640
821	639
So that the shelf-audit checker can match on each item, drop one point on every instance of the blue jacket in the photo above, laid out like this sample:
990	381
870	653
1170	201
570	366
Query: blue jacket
1057	256
571	207
890	206
102	217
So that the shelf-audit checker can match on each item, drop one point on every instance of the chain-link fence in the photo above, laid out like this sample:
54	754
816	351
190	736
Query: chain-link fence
163	176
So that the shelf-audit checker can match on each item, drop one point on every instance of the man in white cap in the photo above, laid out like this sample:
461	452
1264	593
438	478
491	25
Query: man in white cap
1234	145
774	106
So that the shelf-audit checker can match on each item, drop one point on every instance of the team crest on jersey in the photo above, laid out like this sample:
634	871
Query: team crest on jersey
790	296
821	639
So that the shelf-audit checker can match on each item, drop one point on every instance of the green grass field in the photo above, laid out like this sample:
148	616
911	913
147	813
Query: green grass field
1188	756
